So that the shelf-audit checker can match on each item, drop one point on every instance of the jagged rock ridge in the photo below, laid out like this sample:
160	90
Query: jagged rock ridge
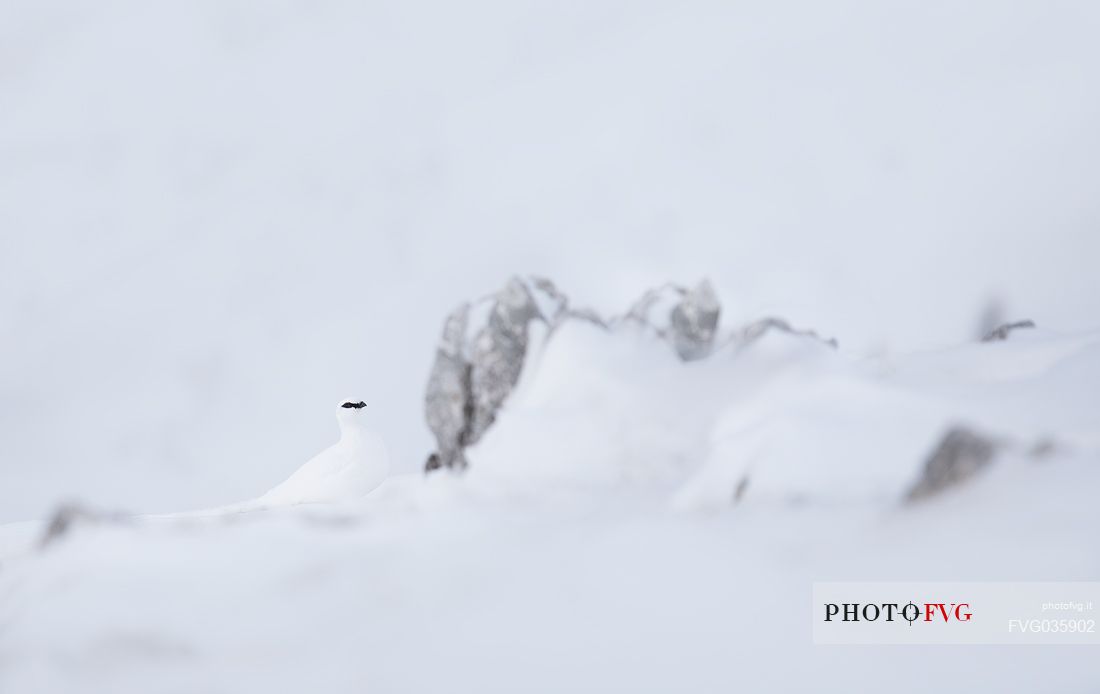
474	372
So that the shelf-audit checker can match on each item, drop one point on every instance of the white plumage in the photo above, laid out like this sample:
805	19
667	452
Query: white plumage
349	469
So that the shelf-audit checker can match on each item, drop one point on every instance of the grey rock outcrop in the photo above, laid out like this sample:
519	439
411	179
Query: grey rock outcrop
685	318
1002	332
448	401
693	322
472	376
484	347
499	351
960	455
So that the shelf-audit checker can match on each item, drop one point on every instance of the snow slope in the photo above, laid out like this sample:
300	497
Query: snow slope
594	544
217	217
797	419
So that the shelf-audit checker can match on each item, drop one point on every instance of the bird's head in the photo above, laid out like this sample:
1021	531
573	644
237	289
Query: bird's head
351	413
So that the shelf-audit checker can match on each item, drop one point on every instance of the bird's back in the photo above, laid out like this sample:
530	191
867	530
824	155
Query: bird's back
344	471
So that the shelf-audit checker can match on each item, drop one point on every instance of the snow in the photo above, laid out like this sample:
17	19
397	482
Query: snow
205	204
216	218
594	543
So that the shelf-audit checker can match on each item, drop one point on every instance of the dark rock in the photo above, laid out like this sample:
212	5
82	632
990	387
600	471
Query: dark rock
960	455
434	462
448	403
499	351
992	316
69	515
473	376
686	318
1002	332
693	322
740	489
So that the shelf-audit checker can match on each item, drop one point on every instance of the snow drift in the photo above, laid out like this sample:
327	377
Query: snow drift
756	412
630	519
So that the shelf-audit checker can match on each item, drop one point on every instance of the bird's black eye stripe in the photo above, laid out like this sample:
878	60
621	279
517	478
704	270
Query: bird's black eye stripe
356	405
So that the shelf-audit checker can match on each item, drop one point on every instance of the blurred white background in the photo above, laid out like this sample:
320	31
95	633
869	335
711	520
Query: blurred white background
218	218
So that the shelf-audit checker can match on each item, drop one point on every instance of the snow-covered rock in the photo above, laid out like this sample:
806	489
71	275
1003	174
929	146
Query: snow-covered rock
757	329
473	374
477	368
693	322
70	515
773	414
498	353
624	502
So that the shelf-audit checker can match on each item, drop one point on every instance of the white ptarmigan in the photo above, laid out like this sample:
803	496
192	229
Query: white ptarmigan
349	469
